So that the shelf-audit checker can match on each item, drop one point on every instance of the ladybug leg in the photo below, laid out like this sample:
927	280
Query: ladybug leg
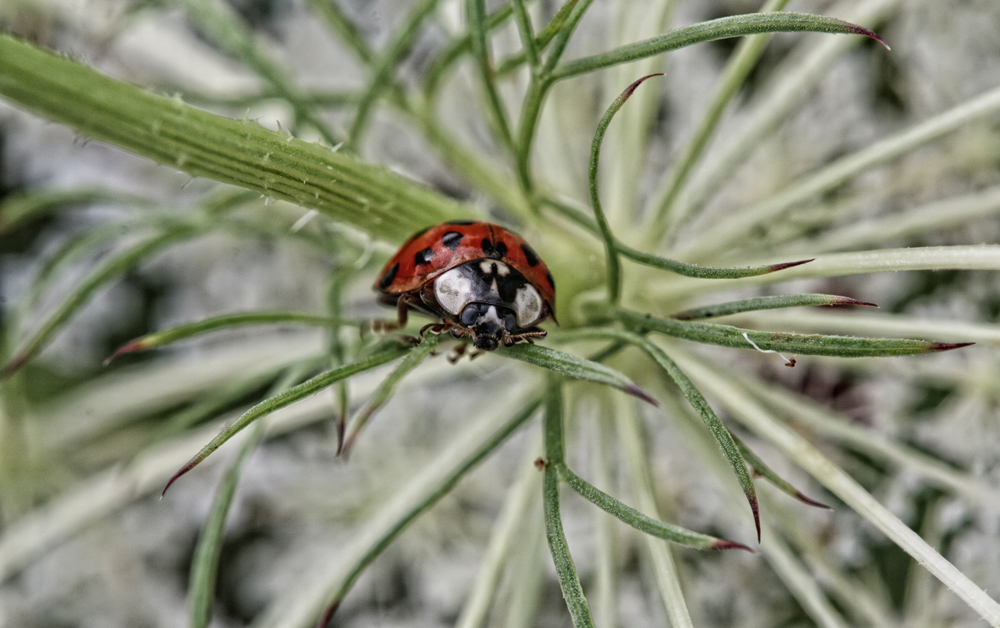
525	336
380	326
436	328
457	352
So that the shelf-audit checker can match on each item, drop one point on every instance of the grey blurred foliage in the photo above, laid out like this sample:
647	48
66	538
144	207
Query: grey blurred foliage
297	504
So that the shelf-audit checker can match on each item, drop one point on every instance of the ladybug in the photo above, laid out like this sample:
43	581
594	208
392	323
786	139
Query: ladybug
482	280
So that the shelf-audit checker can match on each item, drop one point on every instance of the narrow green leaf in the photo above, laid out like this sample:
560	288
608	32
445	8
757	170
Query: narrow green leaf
702	272
79	297
541	41
741	63
721	433
290	396
20	208
610	249
527	31
574	367
785	342
221	23
428	343
580	217
383	68
722	28
761	469
458	47
569	580
639	521
181	332
722	234
240	152
765	303
440	488
475	11
205	562
339	24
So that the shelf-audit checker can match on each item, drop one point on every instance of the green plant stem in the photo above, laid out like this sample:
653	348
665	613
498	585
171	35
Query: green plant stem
430	495
633	446
538	87
384	392
724	233
86	289
719	431
805	454
476	12
232	151
527	33
807	64
205	562
569	580
541	41
383	68
740	64
336	21
221	23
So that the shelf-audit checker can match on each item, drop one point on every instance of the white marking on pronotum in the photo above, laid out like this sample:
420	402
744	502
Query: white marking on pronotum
302	222
787	361
452	290
527	305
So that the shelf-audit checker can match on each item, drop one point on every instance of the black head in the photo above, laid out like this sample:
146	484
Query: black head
489	324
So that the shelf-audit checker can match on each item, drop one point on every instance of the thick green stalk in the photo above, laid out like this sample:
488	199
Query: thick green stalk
240	152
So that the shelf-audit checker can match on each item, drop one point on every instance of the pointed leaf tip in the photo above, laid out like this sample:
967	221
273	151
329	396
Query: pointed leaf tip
947	346
812	502
13	366
755	507
328	614
129	347
634	390
723	544
773	268
861	30
850	301
631	88
187	467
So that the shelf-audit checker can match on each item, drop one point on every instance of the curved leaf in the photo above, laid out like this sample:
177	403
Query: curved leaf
574	367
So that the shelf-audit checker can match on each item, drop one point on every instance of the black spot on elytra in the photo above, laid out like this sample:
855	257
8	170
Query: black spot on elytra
530	255
551	280
497	251
388	277
452	239
461	222
423	257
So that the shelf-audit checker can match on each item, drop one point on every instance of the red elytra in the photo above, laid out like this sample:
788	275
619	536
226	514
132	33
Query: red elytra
499	299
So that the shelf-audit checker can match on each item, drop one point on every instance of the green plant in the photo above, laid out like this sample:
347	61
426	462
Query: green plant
623	317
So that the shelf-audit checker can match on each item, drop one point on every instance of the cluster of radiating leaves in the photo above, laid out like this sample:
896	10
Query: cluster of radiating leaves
348	190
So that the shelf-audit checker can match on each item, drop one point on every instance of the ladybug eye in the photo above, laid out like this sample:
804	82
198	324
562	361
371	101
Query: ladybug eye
470	315
509	321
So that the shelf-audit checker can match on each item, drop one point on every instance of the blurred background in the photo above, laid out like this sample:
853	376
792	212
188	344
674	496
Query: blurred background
86	542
